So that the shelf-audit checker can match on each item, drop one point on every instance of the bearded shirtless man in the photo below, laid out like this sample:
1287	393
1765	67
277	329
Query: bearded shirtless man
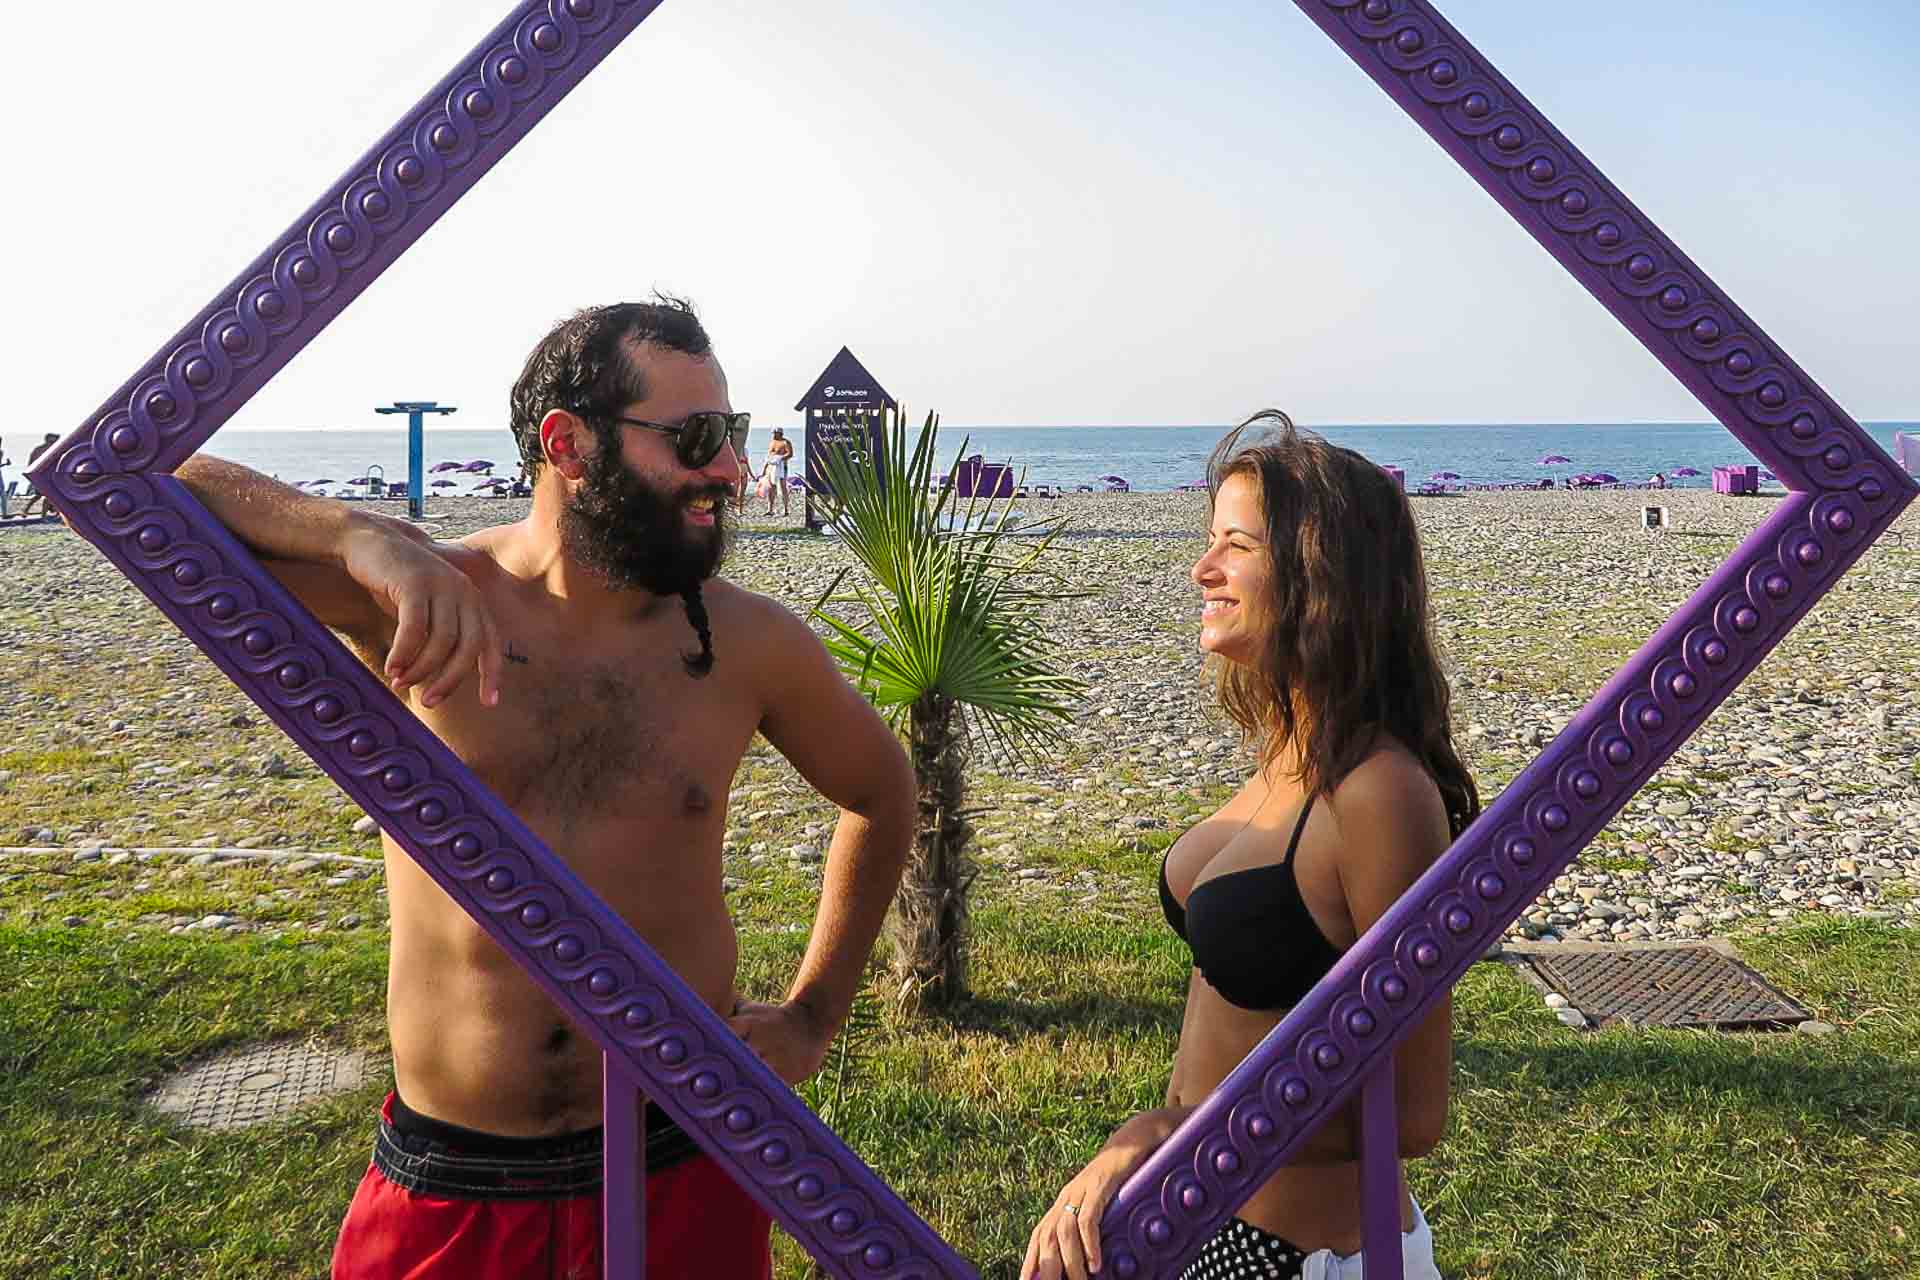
592	626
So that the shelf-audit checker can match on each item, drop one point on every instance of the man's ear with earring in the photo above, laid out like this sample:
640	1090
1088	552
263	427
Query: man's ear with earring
560	442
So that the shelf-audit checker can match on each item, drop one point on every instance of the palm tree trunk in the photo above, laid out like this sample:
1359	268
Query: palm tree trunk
929	923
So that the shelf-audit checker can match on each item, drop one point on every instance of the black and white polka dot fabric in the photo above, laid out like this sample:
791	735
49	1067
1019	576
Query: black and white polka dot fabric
1242	1251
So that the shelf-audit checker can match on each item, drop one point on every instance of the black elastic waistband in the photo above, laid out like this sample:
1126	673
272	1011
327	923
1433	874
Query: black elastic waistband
432	1157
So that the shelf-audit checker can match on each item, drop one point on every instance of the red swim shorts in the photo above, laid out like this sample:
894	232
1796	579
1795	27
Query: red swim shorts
444	1203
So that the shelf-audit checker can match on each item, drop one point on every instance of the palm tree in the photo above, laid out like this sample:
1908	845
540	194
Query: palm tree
944	636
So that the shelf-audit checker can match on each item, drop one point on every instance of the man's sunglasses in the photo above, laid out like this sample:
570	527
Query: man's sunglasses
697	439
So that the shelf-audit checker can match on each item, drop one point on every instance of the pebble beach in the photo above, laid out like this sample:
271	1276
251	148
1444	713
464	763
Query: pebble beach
128	753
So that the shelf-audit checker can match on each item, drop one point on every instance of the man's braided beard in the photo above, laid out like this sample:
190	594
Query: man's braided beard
635	536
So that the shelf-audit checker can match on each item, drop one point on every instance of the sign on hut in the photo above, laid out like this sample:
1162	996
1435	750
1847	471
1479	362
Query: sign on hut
845	404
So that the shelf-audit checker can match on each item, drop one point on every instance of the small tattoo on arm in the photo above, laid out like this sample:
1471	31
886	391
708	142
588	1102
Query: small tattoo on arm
520	658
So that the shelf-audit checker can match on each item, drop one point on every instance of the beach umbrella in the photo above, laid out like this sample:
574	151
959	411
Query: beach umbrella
444	484
1604	477
320	481
1113	480
1555	460
478	464
444	466
1686	471
1444	475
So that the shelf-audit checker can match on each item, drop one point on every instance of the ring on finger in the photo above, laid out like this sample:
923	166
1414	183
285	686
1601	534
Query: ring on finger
1072	1209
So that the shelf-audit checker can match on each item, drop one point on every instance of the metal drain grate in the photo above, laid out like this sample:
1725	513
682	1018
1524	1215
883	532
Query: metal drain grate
1660	986
257	1082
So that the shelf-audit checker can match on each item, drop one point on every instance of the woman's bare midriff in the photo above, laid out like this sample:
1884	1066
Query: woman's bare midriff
1315	1206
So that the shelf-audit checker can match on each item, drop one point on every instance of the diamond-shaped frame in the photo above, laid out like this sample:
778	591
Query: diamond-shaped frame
109	479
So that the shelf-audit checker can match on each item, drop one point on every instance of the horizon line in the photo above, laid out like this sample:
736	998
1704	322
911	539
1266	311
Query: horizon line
1120	426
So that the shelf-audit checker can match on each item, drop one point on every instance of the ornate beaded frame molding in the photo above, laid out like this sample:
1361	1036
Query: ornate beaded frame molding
110	479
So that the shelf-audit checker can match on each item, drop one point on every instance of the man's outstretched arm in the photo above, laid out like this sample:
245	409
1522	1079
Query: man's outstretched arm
390	588
839	744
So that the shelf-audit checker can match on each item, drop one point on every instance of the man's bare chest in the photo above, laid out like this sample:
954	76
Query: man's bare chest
582	740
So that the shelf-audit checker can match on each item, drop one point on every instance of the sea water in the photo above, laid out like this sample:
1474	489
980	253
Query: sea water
1148	458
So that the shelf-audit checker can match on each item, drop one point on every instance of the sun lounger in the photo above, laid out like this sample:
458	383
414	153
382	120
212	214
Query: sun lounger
1906	450
978	478
1736	479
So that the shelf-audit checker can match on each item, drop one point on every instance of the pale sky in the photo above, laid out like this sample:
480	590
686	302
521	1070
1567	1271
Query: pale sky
1017	214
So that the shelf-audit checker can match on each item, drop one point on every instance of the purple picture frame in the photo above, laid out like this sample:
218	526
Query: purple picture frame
110	479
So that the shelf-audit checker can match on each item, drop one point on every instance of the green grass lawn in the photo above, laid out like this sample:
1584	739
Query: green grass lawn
1609	1154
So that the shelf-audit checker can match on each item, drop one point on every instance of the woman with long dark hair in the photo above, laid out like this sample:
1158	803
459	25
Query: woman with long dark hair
1314	609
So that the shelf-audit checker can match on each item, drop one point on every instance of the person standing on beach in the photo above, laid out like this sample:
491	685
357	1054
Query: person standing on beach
592	625
5	462
747	474
1314	603
779	454
36	498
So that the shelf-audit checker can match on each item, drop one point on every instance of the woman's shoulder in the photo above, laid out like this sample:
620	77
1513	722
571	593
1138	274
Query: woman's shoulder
1390	793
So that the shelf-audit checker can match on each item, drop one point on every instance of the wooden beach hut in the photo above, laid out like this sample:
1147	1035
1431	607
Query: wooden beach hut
844	403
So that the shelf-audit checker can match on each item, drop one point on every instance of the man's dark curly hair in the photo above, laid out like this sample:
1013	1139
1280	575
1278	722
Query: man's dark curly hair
582	366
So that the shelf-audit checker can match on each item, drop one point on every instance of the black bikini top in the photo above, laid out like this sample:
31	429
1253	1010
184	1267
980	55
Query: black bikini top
1251	934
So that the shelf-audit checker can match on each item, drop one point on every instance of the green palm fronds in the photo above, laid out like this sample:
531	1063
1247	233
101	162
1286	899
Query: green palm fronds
947	603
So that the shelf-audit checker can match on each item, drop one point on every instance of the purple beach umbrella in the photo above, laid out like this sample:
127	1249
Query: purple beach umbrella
444	484
1686	471
1604	477
322	480
478	464
1444	475
444	466
1555	460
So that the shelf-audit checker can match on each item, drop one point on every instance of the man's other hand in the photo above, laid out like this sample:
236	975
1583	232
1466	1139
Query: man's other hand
786	1037
443	626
